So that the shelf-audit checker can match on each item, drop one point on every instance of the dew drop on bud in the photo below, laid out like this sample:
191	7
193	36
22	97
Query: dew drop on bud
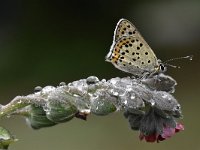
37	89
62	84
19	102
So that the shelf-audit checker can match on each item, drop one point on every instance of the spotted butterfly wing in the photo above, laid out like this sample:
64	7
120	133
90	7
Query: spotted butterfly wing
130	52
124	28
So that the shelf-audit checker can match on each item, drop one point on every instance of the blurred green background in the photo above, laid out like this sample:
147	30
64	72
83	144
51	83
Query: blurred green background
46	42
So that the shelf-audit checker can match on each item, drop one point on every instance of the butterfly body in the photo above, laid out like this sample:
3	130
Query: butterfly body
130	52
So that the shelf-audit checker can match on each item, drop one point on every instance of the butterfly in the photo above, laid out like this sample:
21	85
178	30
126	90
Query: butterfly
131	53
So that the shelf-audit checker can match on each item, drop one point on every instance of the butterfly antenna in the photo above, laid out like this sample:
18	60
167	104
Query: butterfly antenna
173	66
190	57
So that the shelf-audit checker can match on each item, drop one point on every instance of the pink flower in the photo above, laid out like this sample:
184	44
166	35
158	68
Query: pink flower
166	133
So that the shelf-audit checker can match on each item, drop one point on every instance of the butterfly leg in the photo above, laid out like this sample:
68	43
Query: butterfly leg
144	76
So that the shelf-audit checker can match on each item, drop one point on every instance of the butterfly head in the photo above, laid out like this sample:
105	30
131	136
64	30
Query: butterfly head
161	67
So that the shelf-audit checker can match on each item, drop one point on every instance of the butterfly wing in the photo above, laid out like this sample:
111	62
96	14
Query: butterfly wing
131	55
138	63
126	28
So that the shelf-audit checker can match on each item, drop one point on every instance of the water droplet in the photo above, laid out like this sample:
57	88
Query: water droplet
115	93
92	80
48	113
152	102
62	84
164	96
129	89
103	80
70	84
125	102
76	95
46	108
48	89
85	111
132	96
123	93
19	102
37	89
114	80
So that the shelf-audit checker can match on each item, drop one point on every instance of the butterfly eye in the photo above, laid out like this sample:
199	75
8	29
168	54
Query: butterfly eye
162	68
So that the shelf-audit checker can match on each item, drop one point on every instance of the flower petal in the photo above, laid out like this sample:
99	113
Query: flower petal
148	138
179	127
167	132
151	138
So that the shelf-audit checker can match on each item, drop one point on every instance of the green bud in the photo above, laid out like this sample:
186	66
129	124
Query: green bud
37	118
58	111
